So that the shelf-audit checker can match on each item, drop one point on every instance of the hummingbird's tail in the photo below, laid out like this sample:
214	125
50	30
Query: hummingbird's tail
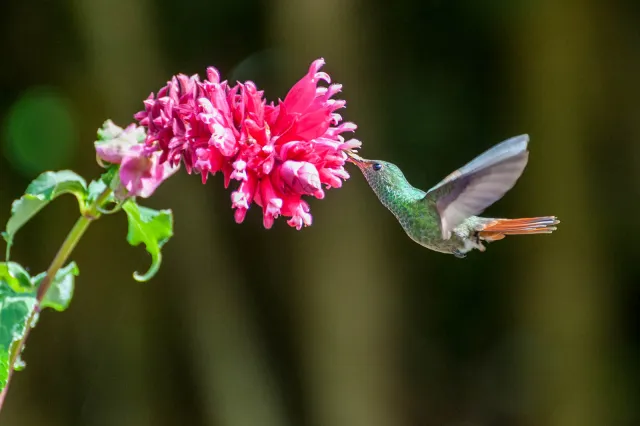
497	229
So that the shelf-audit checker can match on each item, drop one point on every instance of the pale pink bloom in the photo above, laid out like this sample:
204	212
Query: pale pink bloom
116	142
140	172
278	152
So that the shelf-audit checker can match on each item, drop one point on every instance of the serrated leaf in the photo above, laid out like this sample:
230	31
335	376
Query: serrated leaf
15	310
153	228
60	291
39	193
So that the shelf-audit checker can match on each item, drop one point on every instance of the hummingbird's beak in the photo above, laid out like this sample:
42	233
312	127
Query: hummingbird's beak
355	158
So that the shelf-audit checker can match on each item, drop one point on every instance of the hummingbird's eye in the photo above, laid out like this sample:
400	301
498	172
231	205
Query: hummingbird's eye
377	167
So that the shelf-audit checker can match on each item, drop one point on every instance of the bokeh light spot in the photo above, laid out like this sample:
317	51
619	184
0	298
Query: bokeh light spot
40	133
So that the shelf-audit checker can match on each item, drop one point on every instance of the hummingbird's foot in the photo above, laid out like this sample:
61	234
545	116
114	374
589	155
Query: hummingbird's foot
460	255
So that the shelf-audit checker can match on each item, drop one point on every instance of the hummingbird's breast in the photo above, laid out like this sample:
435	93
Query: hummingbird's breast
418	216
421	222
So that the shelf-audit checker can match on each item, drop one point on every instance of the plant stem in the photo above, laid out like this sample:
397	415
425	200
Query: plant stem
78	230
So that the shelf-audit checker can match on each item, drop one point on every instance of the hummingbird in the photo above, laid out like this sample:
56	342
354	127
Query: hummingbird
444	218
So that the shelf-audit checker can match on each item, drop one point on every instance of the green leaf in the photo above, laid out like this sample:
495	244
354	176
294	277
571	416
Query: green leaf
151	227
60	292
39	193
17	301
4	368
52	184
16	277
97	188
22	210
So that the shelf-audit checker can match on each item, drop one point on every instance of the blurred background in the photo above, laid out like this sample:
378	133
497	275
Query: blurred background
347	322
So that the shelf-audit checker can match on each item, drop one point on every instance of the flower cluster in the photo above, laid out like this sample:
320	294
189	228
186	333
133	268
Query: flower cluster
277	152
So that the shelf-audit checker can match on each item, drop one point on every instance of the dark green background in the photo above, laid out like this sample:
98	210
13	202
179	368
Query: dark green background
348	322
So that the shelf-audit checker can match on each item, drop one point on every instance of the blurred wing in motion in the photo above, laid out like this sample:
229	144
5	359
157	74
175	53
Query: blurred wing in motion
471	189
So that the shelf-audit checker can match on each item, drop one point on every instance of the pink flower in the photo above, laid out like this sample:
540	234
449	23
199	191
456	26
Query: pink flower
302	177
278	152
141	172
114	142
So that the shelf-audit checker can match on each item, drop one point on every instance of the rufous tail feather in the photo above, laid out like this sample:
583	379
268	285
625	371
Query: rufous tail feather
497	229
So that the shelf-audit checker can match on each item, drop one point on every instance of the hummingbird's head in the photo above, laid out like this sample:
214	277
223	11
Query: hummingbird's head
386	179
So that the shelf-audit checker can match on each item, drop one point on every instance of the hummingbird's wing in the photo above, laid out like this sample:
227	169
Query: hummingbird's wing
480	183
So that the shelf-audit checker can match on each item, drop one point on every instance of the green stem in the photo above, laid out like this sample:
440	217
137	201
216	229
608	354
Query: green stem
63	254
78	230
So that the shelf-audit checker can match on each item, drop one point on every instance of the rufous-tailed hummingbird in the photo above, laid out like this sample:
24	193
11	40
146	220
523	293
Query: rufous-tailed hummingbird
443	218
